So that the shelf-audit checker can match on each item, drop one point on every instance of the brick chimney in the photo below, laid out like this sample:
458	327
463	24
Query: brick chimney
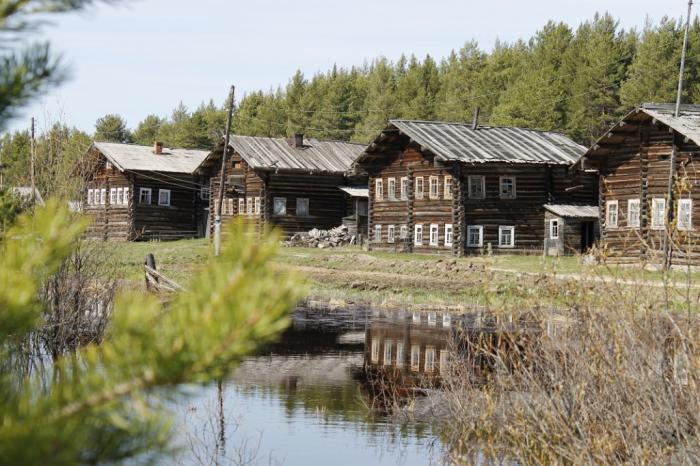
158	148
298	140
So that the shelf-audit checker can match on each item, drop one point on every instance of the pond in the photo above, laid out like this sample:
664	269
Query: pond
312	398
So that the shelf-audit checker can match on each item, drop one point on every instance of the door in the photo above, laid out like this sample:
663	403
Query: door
587	236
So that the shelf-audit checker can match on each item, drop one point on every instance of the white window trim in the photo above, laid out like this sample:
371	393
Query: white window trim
388	345
681	226
418	194
448	227
241	206
447	192
377	233
403	232
163	191
249	206
404	188
500	186
281	200
654	201
429	363
150	194
636	224
434	227
391	234
481	236
112	196
418	239
391	190
552	222
608	223
103	196
258	203
502	228
378	189
90	196
120	196
472	180
436	179
415	361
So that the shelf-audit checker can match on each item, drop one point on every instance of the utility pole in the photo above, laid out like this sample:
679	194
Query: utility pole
222	182
31	157
668	247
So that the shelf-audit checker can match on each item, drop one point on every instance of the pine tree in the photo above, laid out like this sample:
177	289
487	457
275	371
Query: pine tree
147	130
380	100
298	115
112	128
459	76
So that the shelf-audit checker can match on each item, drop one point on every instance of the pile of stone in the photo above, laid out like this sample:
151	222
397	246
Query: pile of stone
338	236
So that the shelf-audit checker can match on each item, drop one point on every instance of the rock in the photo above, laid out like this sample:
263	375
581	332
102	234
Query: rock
316	238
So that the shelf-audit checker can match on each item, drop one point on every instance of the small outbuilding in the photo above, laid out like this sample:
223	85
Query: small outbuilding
569	228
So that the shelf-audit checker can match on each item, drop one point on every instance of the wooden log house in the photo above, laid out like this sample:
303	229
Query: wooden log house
468	189
638	158
296	184
135	192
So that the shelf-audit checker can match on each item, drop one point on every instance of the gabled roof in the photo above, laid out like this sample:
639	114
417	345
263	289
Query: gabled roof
132	157
687	123
460	142
573	210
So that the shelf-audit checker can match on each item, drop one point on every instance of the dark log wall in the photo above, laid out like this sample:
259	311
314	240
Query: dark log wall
108	221
414	209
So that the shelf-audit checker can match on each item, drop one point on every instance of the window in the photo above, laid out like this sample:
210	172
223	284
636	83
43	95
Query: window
633	214
399	354
249	205
387	352
477	187
108	165
90	196
403	232
103	196
507	187
685	214
444	360
279	206
120	196
434	192
611	214
241	206
658	213
446	320
164	197
204	193
375	351
377	233
229	201
258	203
429	359
144	195
419	187
418	235
390	233
404	187
113	196
302	206
554	229
378	189
224	208
415	357
434	234
506	236
448	235
391	187
432	319
448	187
475	236
126	196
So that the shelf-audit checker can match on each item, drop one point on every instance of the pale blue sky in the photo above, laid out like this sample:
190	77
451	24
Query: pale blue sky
144	56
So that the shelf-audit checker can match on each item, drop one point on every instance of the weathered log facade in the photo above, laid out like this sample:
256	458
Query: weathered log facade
294	185
445	187
638	159
142	193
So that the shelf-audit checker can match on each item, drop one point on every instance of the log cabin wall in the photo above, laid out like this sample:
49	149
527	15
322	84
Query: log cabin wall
111	218
418	210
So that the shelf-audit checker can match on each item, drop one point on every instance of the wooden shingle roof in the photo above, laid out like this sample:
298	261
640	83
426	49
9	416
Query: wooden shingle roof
133	157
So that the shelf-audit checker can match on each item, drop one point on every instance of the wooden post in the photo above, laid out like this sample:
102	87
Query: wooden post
150	261
31	163
222	181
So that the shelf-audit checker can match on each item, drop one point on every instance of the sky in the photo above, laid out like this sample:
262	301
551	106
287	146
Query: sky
141	57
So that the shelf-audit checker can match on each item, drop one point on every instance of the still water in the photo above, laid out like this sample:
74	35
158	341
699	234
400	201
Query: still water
307	399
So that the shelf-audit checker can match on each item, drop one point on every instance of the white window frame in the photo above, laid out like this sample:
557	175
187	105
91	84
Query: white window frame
429	363
230	205
474	180
249	207
120	196
501	194
448	235
374	351
112	196
300	202
480	229
279	206
148	192
686	224
634	222
434	181
378	189
103	196
554	228
434	240
404	188
258	203
612	220
391	188
420	182
447	188
377	233
390	234
241	206
160	197
503	228
415	358
400	353
225	208
418	235
386	358
403	232
204	193
90	196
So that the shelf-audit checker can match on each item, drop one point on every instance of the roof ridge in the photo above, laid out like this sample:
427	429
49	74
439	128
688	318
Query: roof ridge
456	123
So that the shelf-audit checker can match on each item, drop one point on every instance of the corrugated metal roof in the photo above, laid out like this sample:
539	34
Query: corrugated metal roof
141	158
315	155
459	142
687	122
573	210
355	191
